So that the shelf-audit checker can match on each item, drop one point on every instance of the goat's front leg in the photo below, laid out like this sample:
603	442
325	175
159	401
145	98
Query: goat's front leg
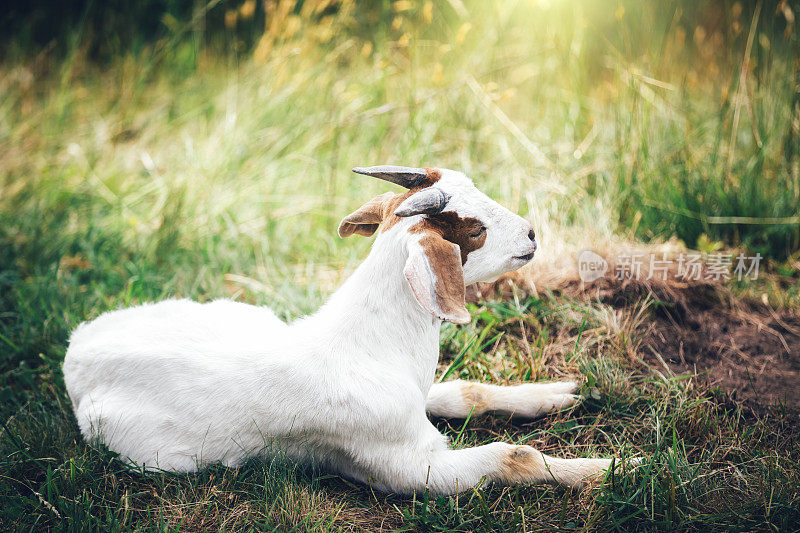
457	399
447	471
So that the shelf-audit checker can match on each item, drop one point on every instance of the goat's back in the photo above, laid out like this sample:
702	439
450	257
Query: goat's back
136	376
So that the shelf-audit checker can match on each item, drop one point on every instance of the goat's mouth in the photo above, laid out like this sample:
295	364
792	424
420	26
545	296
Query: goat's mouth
524	258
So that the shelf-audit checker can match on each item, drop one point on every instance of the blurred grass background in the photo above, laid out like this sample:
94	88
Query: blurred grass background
209	153
171	148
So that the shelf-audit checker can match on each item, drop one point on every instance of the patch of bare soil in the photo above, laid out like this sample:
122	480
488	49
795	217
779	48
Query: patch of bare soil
745	350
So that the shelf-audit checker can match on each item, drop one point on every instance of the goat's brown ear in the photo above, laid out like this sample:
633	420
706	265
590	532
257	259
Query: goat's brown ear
366	219
433	269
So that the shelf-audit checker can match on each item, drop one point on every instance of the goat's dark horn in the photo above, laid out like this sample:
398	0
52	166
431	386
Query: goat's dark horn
408	177
425	202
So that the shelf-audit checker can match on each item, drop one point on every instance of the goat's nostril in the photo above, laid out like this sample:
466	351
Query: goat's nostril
532	235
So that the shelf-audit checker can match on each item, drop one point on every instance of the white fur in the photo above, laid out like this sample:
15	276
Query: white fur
177	385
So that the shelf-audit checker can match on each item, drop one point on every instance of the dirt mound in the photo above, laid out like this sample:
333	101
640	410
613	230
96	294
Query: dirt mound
750	352
745	350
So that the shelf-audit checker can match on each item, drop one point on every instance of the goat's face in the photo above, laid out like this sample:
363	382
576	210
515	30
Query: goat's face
492	239
457	234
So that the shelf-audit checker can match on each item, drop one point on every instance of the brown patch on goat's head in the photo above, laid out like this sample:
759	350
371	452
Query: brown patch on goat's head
433	176
467	232
390	219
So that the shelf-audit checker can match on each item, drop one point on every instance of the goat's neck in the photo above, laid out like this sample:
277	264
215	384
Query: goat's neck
374	314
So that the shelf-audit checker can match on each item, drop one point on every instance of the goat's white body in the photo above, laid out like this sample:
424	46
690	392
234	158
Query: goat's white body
178	385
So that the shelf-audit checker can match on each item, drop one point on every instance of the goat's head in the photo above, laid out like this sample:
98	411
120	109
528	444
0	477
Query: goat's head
456	234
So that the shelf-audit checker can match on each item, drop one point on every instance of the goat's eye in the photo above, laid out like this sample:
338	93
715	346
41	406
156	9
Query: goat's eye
477	232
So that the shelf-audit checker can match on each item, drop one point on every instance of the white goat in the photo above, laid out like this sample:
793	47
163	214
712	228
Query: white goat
178	385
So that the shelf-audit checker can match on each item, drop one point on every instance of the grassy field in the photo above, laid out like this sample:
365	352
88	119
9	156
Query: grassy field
184	171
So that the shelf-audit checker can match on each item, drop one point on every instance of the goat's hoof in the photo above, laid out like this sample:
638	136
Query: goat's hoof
543	398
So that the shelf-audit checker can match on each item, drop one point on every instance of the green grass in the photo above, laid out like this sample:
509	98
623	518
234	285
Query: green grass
709	464
181	171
